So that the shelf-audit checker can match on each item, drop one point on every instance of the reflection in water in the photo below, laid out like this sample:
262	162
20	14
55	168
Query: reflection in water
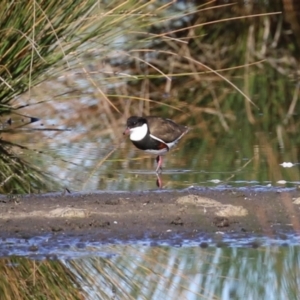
191	273
143	272
100	164
23	278
159	182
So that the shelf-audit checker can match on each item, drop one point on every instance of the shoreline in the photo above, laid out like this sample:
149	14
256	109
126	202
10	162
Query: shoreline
156	215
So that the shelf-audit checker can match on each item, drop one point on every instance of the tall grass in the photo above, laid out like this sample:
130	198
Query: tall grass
17	176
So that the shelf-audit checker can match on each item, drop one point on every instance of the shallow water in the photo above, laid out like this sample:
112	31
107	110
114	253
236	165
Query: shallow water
254	268
71	247
191	273
102	165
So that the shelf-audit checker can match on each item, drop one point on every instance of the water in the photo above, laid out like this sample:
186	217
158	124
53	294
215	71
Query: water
192	273
194	270
111	164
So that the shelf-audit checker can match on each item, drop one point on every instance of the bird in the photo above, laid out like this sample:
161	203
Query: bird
154	135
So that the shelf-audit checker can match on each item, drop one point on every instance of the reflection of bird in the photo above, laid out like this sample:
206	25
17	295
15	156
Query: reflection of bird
154	135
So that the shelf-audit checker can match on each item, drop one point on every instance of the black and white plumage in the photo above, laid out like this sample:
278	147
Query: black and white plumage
154	135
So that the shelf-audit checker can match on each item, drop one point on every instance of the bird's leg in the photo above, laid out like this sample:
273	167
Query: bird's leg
159	164
158	181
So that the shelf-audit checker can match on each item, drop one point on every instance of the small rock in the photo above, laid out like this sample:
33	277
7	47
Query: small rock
221	222
255	244
204	245
177	221
98	223
33	248
114	201
56	228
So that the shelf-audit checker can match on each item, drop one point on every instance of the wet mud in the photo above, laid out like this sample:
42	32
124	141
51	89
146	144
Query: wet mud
155	215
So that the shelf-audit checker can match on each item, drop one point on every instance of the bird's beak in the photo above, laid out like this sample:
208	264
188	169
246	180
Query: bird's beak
127	131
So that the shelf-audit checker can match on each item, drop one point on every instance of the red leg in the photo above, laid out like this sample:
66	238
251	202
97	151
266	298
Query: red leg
158	181
159	163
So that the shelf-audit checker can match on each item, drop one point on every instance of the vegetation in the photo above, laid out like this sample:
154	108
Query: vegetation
209	65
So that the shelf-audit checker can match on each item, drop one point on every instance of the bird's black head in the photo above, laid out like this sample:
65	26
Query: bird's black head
134	121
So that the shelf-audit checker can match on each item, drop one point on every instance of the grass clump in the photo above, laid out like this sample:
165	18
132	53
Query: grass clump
42	39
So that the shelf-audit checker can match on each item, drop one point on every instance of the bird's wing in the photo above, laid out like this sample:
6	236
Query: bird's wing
164	129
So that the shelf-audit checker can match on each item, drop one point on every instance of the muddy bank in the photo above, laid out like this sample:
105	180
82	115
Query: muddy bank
155	215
